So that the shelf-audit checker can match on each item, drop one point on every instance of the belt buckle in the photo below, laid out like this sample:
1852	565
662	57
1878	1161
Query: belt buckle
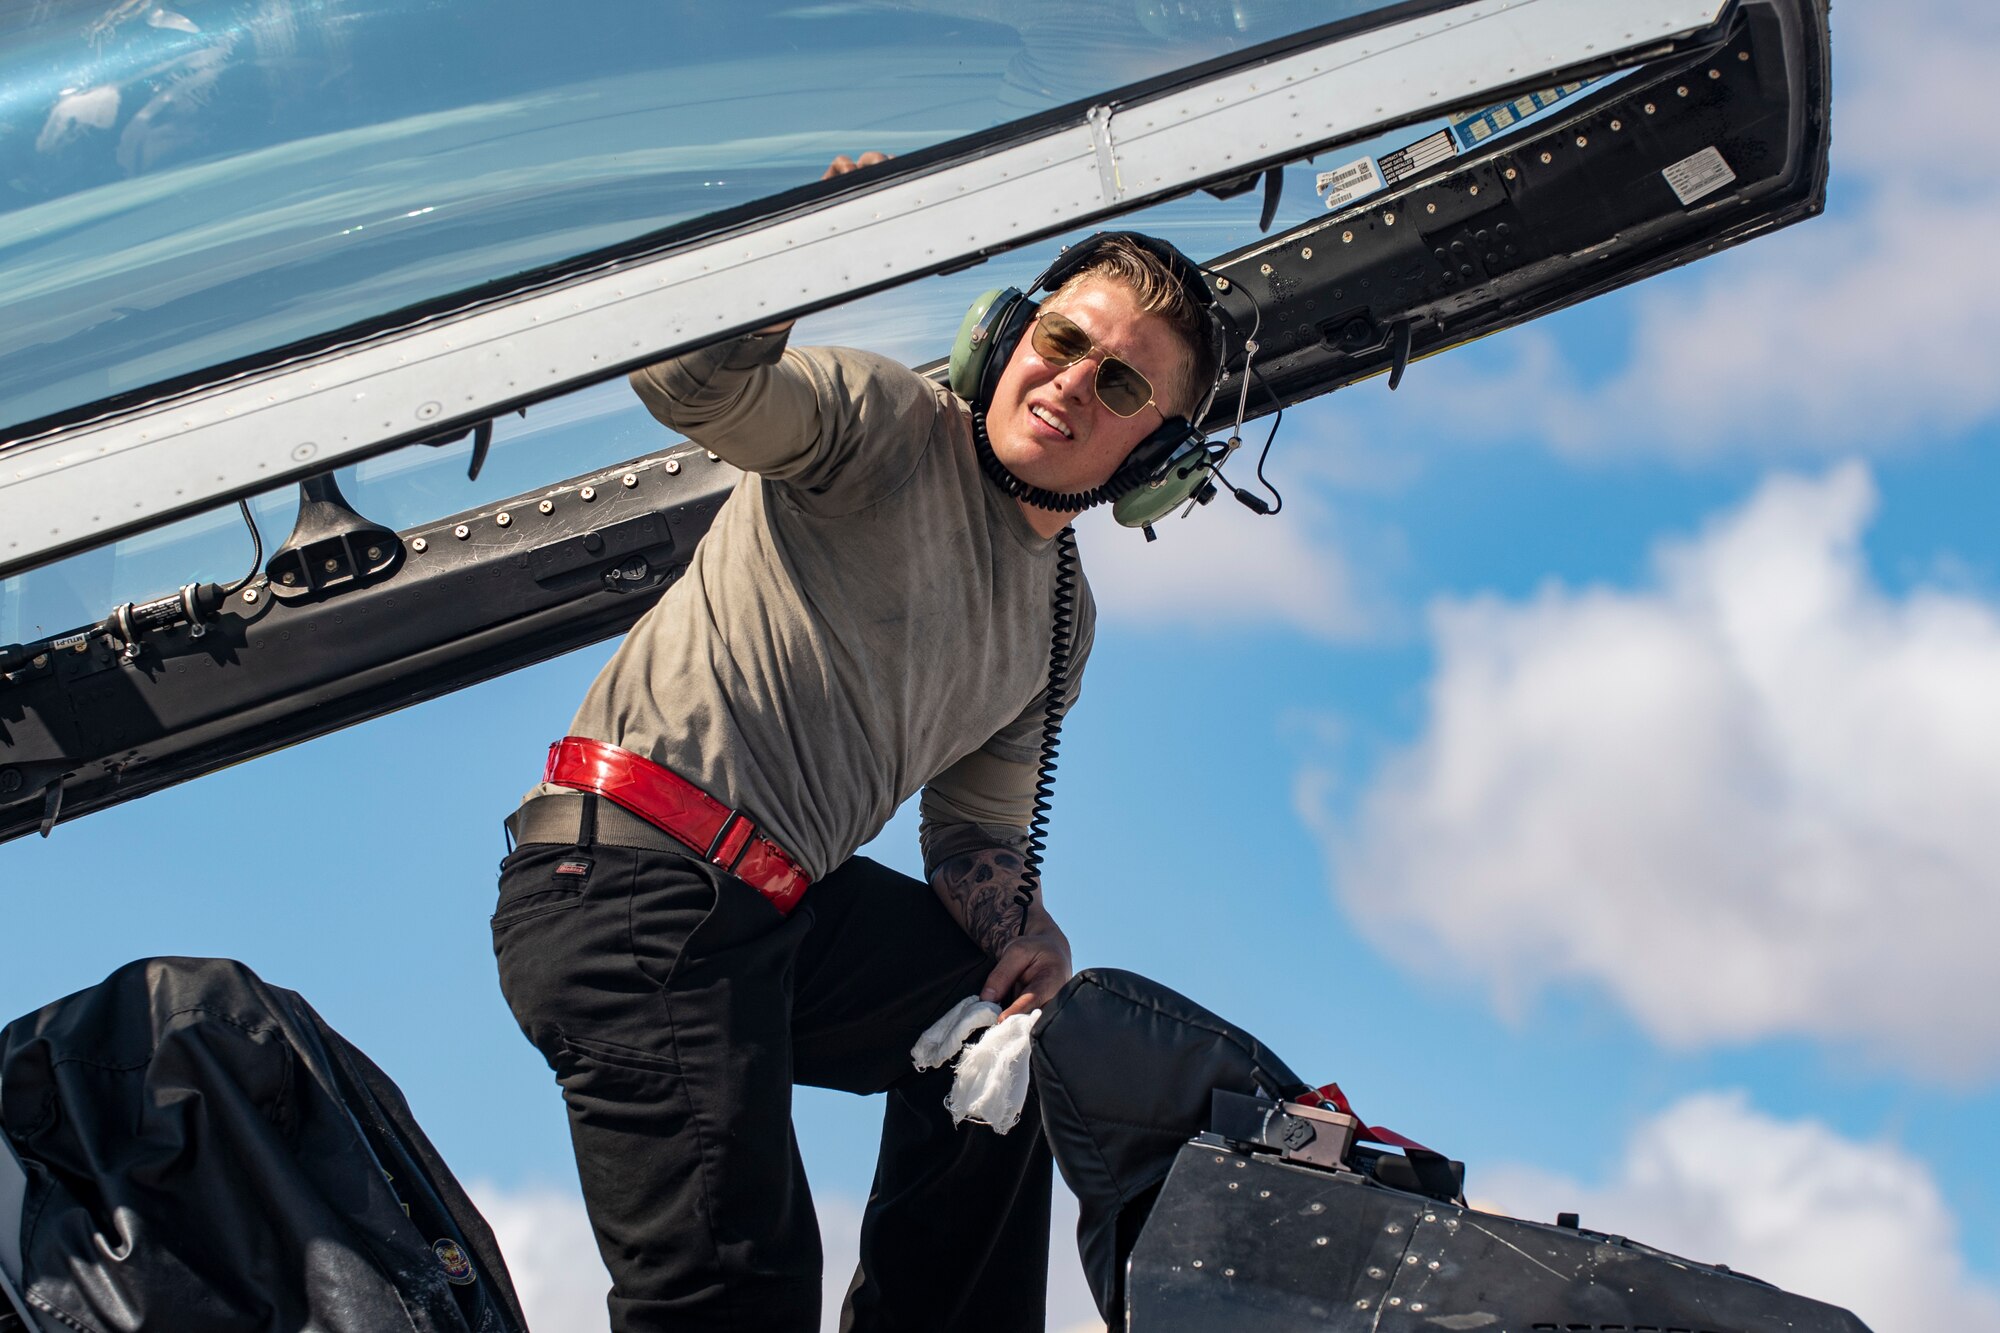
718	850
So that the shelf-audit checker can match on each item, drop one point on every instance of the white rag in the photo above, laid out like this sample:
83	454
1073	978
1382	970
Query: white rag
990	1085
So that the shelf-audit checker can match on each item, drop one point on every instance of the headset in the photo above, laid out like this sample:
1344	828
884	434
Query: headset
1167	468
1170	466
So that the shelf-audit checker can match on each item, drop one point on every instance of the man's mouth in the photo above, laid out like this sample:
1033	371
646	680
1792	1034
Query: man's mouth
1051	419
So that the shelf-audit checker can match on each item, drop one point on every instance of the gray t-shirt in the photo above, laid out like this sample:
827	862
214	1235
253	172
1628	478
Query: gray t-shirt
868	615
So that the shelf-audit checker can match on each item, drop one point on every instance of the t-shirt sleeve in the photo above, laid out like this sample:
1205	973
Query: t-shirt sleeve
841	428
987	798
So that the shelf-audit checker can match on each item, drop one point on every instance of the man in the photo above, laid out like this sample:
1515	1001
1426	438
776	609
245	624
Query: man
869	614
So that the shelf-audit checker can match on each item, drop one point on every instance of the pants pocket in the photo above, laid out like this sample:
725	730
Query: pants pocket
537	880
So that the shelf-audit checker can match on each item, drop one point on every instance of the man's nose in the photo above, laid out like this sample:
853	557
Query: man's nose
1074	380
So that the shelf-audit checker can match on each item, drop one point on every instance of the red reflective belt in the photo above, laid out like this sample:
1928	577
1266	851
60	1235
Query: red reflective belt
668	801
1332	1096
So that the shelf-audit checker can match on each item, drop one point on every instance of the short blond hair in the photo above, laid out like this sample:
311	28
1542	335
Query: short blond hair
1156	291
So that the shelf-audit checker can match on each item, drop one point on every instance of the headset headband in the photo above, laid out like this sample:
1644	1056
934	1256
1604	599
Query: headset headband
1077	257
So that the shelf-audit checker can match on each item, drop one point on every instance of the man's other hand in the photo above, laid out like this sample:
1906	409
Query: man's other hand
1030	971
840	166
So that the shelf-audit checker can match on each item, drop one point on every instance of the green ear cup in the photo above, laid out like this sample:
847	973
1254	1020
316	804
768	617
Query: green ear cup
973	347
1184	474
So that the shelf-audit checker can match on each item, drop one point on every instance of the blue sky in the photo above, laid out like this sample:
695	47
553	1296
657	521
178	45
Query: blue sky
1592	768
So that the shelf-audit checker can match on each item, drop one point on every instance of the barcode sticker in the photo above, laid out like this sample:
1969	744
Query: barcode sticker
1356	180
1699	176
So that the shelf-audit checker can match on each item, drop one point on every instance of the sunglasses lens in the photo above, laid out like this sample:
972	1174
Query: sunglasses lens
1121	388
1060	342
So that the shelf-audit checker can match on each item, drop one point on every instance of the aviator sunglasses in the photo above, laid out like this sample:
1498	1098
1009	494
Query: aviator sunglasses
1121	389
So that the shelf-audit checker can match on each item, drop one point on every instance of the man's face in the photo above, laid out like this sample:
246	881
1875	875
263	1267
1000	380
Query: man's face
1046	422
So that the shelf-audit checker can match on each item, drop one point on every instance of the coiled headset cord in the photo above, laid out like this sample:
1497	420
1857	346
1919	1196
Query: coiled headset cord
1062	623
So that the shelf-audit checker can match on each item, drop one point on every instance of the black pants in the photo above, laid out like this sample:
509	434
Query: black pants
678	1008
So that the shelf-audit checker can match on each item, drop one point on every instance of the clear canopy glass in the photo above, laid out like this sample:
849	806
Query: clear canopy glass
599	426
186	183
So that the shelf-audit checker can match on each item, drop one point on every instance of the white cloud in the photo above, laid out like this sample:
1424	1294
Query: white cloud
553	1260
1860	1225
1755	799
1855	330
551	1256
1226	568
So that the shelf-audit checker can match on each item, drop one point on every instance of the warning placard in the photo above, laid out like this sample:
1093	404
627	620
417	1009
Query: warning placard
1699	176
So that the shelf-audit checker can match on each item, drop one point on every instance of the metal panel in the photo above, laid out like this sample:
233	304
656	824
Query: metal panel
89	483
1244	1242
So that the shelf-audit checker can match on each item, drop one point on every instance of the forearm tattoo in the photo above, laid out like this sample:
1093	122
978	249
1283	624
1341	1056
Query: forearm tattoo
986	891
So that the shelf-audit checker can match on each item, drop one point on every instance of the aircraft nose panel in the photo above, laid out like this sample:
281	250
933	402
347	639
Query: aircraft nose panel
1246	1241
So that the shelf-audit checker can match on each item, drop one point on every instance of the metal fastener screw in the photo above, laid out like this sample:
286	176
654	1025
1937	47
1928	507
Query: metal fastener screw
1432	1265
1742	55
1682	90
1232	1184
1416	1307
714	456
1430	208
1430	1217
1376	1273
1361	1305
41	659
289	578
1306	253
1263	1194
250	596
1617	125
546	507
1318	1208
1229	1272
1410	1259
1264	269
329	565
1346	237
629	480
1218	1161
503	518
1548	157
420	546
1222	284
461	532
1319	1240
1475	189
673	466
588	493
374	553
1511	173
1582	142
1197	1263
1389	219
1650	108
1395	1300
1394	1228
1715	74
1241	1163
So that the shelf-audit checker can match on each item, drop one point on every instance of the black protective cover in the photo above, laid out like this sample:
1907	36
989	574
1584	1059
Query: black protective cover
204	1152
1125	1069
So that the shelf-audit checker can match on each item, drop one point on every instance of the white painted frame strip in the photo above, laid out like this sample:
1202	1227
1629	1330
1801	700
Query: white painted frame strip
89	483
